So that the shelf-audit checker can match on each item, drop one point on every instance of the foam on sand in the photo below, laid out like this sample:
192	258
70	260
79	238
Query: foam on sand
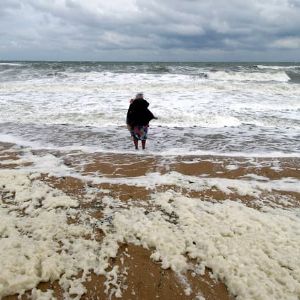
242	187
38	244
251	251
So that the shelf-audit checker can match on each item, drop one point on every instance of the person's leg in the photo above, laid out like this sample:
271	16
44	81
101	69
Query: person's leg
135	136
144	136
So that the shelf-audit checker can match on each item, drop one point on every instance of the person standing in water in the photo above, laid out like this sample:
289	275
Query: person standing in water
138	118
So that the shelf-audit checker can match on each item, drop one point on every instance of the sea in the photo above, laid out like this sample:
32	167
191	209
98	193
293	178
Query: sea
215	195
231	109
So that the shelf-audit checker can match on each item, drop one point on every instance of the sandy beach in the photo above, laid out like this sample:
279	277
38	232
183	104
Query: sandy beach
119	207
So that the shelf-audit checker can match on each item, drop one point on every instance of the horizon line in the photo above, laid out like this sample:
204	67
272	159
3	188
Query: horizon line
151	61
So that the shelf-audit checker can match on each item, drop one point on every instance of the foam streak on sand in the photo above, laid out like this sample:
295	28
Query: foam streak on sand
228	186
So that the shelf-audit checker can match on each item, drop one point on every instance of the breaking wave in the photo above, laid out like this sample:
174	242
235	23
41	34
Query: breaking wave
249	76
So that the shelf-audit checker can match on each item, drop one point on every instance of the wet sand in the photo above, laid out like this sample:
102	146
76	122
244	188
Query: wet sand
143	278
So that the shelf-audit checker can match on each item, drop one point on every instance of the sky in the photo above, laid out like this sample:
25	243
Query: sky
150	30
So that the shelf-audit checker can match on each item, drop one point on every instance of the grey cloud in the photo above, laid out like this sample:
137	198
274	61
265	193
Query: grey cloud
127	28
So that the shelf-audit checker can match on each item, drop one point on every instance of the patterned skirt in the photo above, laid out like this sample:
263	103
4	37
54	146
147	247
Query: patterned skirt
139	132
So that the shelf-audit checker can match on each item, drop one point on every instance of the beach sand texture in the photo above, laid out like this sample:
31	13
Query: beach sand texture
107	226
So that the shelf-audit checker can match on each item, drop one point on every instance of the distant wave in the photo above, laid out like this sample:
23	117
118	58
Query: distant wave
249	76
11	64
263	67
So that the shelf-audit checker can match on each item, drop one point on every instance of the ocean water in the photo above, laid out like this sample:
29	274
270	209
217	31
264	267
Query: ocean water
181	208
250	109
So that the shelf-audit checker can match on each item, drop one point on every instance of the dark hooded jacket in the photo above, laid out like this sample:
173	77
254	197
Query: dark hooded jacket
138	113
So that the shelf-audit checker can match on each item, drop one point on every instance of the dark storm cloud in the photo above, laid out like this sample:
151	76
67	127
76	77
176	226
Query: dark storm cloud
149	29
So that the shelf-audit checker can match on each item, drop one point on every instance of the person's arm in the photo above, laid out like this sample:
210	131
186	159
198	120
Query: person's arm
149	116
129	115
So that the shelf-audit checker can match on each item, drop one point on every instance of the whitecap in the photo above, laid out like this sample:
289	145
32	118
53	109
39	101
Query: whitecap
249	76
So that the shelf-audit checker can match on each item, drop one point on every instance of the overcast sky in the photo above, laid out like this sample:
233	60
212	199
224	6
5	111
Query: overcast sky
151	30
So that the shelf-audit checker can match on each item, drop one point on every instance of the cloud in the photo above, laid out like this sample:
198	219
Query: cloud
155	29
288	43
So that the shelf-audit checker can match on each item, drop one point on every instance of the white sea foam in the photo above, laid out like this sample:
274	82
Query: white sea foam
247	185
249	76
39	295
277	67
232	167
179	95
187	120
10	64
235	241
228	186
191	105
39	244
243	247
